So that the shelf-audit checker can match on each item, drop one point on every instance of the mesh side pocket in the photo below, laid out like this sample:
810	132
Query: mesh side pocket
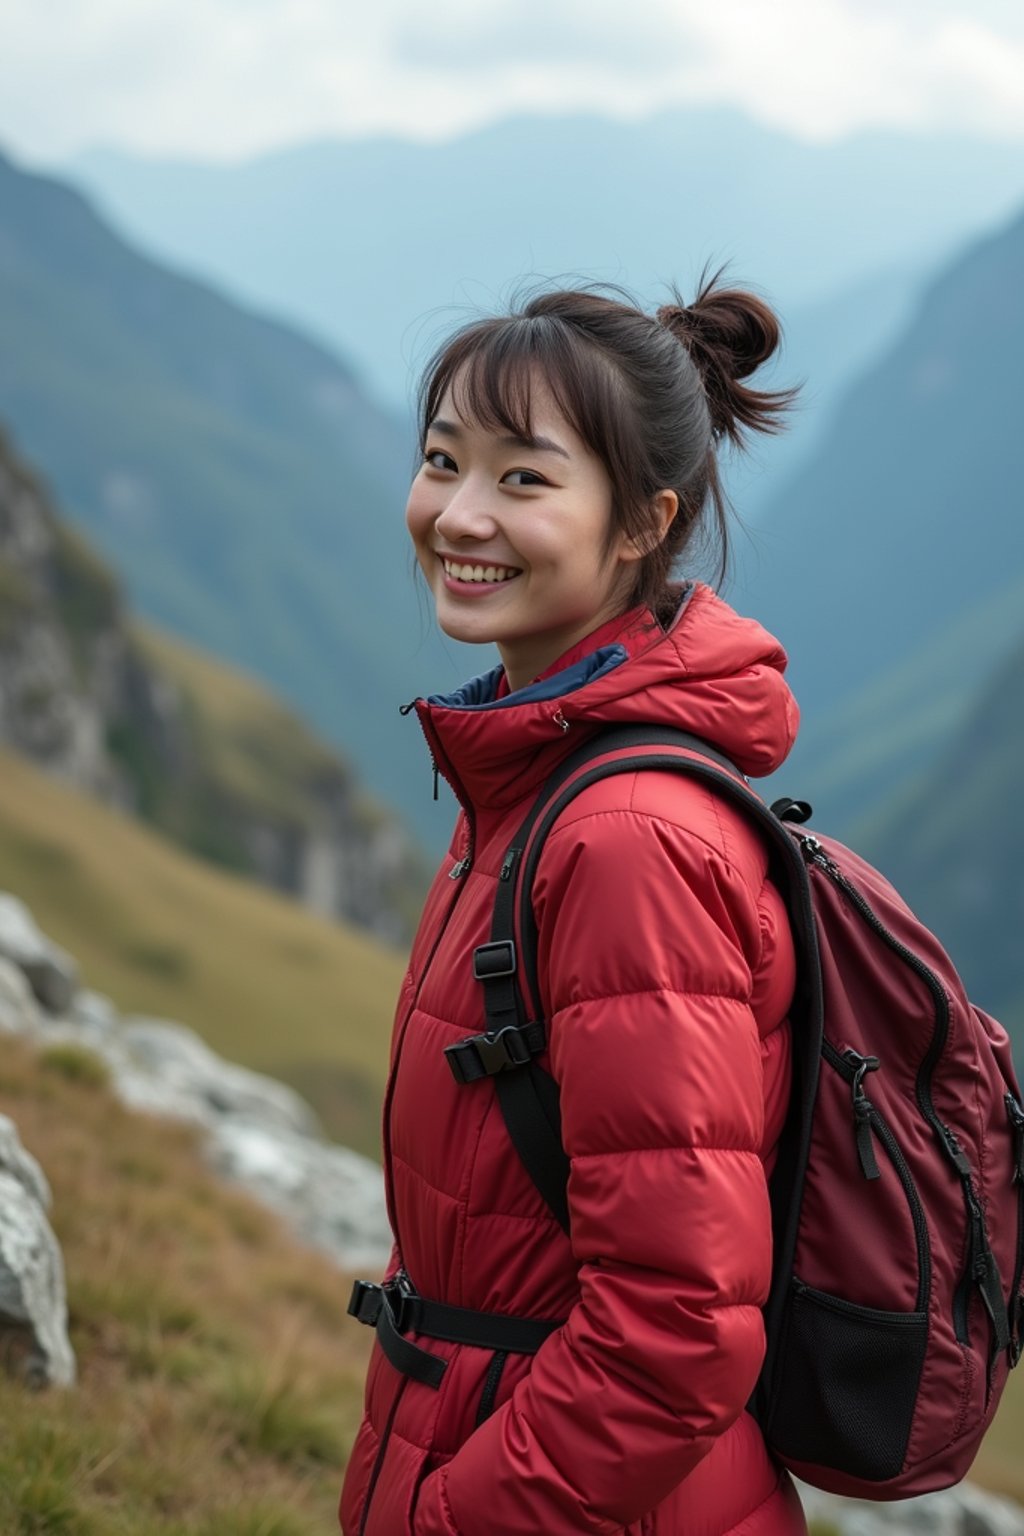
846	1384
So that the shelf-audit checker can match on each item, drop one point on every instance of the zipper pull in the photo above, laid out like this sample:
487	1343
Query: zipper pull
1016	1114
436	769
863	1109
508	864
814	853
560	720
458	870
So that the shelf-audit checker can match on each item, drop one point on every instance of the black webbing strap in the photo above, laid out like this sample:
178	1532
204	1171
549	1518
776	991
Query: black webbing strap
395	1308
528	1096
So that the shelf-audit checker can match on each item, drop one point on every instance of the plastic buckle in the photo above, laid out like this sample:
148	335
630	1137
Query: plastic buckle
495	959
365	1302
399	1296
486	1055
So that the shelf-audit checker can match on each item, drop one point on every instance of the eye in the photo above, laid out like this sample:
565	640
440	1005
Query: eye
436	458
524	477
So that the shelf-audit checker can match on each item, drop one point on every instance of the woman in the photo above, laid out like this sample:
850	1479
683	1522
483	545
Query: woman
569	462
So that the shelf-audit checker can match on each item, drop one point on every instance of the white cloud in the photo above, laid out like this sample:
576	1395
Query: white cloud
222	78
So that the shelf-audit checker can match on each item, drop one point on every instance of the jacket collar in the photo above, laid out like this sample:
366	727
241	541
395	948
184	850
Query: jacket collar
712	672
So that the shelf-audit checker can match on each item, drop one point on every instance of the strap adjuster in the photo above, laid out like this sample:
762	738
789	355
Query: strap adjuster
498	958
365	1302
486	1055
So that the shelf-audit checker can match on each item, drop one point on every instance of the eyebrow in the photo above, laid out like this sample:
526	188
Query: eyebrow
535	444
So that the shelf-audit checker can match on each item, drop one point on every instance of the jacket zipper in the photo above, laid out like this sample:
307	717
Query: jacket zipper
867	1119
439	763
978	1267
378	1460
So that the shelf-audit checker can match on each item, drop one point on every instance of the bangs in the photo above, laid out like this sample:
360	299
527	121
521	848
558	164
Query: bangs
490	367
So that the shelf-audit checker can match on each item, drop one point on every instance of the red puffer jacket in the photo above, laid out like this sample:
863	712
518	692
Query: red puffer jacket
666	973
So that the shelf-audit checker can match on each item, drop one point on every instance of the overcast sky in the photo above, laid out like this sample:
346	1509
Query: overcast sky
226	78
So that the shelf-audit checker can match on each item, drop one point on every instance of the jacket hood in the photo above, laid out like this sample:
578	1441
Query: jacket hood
713	673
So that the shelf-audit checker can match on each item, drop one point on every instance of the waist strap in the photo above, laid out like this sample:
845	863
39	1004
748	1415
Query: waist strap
395	1308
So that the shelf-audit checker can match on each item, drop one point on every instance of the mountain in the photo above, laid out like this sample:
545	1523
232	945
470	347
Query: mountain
200	751
380	244
232	472
891	564
953	841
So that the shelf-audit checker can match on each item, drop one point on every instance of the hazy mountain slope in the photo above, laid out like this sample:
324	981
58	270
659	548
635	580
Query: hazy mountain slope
955	845
416	233
197	748
232	471
902	532
264	981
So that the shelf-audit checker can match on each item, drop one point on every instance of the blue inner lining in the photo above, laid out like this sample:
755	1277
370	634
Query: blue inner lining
479	692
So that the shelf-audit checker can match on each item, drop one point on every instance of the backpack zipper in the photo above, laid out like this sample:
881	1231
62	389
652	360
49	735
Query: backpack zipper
1016	1114
979	1267
852	1066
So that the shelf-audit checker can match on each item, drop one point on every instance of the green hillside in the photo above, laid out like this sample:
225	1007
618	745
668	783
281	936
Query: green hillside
891	566
264	981
219	1380
953	841
234	474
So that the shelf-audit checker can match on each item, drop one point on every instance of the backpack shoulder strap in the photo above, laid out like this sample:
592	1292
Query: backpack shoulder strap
528	1096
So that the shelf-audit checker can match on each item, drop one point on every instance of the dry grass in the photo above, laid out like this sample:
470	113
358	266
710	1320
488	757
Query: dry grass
265	981
219	1378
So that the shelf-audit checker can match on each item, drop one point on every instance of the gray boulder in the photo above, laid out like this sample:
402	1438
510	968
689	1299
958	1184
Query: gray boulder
19	1011
33	1309
52	974
961	1511
332	1198
174	1072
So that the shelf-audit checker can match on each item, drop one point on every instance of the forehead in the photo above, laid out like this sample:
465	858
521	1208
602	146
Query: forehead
522	406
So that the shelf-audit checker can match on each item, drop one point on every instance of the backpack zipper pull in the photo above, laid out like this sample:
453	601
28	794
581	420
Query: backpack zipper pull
560	720
863	1109
1016	1114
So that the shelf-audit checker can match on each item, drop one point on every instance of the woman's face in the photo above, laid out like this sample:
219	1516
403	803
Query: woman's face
512	536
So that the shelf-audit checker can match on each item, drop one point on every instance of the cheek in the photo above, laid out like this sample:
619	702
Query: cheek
419	515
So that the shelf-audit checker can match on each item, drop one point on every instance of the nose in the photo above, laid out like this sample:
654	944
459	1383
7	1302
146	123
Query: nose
466	516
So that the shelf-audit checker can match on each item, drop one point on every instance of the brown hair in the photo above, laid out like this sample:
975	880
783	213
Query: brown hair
651	395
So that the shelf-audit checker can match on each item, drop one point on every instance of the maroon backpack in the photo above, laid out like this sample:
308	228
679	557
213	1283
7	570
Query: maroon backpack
895	1309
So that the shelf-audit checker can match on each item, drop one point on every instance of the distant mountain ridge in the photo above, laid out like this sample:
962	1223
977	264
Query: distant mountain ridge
177	739
380	243
248	493
891	565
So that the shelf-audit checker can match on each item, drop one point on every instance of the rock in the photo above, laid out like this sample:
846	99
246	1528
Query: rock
332	1198
21	1165
19	1011
180	1064
961	1511
95	1013
52	974
34	1341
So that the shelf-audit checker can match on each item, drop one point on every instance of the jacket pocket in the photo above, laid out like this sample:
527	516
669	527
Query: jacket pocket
393	1494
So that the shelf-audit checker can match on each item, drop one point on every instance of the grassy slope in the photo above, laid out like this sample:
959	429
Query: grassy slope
219	1379
264	981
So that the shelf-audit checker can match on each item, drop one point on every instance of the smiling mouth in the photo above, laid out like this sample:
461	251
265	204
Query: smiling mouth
492	574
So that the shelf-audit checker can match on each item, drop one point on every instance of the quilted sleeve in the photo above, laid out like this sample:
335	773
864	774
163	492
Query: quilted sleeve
648	941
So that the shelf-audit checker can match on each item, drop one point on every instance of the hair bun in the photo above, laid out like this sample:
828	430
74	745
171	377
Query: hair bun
729	333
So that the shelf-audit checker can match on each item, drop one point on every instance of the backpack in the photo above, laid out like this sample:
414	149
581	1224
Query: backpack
895	1309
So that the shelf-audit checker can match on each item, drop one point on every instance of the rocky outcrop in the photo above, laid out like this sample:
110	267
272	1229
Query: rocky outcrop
961	1511
257	1131
33	1308
138	721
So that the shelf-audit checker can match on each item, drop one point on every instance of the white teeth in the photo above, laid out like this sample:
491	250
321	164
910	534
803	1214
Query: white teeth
491	573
